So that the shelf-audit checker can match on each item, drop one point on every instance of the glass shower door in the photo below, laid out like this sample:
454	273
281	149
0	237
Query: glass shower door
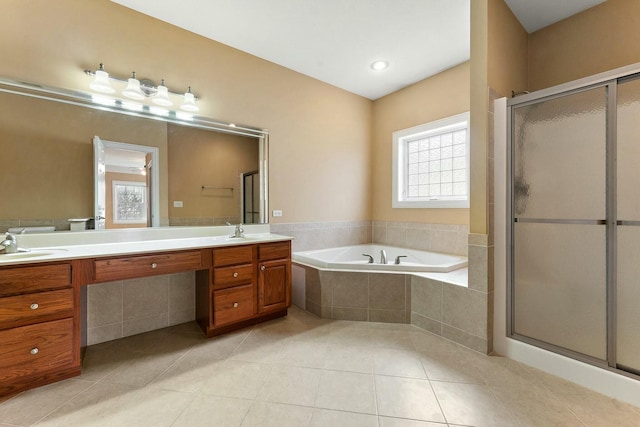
628	227
559	236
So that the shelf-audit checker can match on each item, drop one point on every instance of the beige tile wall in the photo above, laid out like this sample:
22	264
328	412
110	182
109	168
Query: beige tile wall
128	307
373	297
446	238
320	235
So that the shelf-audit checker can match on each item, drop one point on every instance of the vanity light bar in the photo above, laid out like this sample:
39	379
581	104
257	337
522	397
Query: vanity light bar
141	89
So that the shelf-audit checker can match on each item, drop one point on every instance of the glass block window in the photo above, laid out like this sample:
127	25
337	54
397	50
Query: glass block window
431	164
129	202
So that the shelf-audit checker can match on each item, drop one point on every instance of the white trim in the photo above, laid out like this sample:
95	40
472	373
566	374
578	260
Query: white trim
452	123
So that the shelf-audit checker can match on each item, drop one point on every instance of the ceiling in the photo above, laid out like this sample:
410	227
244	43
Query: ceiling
534	15
336	41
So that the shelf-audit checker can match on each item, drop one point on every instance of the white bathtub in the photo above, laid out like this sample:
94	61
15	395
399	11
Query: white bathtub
352	258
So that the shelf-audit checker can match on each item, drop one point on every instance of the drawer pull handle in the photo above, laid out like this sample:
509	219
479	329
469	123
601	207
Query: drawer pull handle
263	268
235	274
34	306
34	350
154	265
235	305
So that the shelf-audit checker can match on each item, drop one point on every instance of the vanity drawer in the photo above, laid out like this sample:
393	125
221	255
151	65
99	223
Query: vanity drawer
107	270
226	277
37	307
233	304
18	280
30	349
233	256
276	250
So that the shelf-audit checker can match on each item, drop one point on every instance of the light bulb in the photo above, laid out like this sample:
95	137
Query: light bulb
133	90
162	96
101	83
189	103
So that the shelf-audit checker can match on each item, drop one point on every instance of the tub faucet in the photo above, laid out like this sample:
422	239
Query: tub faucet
370	258
383	257
10	244
398	259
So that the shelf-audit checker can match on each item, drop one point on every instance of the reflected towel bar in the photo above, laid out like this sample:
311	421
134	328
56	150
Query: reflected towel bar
206	187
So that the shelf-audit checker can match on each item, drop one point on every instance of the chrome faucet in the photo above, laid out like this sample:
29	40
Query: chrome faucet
383	257
10	244
239	231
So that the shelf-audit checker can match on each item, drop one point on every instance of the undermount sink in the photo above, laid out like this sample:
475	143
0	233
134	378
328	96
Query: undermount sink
234	239
34	253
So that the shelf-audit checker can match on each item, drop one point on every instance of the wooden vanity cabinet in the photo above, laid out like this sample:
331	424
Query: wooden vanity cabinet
248	284
40	333
39	325
134	266
233	285
274	280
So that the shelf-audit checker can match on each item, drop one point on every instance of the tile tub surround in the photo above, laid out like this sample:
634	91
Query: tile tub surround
369	297
307	372
440	303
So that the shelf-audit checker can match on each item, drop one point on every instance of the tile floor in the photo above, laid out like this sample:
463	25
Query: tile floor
304	371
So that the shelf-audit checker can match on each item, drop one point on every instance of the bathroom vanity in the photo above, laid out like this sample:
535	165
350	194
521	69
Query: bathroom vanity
239	282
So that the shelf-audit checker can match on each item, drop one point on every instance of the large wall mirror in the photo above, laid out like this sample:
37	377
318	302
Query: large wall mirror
207	172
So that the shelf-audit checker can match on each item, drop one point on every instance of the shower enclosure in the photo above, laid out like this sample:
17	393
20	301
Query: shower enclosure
574	221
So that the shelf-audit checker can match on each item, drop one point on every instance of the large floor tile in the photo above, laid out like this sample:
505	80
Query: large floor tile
407	398
402	422
188	374
214	411
307	354
535	407
30	406
141	368
400	363
258	349
291	385
118	405
265	414
470	404
453	367
349	358
347	391
326	418
596	410
219	347
236	379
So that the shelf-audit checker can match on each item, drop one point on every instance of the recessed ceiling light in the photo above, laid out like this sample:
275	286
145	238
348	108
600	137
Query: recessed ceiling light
380	65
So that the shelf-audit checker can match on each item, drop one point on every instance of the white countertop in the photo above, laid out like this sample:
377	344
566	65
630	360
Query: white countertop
89	244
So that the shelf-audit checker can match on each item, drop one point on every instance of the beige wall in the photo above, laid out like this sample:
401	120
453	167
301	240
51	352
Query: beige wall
319	135
437	97
507	50
498	61
202	158
599	39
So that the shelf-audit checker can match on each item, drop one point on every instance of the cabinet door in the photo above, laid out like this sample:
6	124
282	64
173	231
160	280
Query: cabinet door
274	285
